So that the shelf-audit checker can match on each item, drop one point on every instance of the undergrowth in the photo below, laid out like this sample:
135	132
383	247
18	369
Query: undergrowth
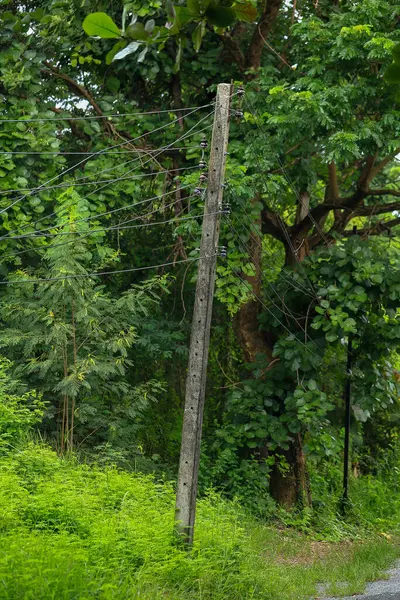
74	531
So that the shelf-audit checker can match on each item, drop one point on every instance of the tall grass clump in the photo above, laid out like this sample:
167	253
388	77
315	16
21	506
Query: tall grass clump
70	530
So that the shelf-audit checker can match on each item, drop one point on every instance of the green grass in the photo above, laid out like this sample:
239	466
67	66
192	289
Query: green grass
71	531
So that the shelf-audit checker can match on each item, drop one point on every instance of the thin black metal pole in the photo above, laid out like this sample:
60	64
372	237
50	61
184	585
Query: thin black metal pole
347	398
347	420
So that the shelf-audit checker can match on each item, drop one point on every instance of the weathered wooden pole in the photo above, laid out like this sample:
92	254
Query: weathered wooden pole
200	335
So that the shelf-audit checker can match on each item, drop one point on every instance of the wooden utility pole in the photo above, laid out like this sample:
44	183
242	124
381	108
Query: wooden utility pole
201	324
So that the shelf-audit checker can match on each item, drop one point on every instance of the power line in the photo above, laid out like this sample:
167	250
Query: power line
96	154
184	136
98	274
281	223
288	179
246	248
84	183
55	153
96	216
290	314
118	227
269	310
113	116
282	273
157	152
84	234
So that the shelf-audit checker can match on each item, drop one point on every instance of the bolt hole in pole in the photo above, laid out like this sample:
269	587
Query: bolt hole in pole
186	495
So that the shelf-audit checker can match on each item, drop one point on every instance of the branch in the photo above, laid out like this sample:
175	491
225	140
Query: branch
352	206
77	131
377	229
268	17
273	224
383	163
281	58
232	46
384	193
300	230
376	209
176	92
108	127
333	193
81	91
366	174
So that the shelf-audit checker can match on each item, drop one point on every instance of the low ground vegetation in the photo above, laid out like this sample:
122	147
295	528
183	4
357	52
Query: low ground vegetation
73	530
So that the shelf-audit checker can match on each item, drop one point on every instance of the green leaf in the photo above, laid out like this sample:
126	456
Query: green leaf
142	55
220	16
170	10
245	12
331	337
149	27
118	46
101	25
132	47
178	57
252	444
349	324
392	74
137	32
113	84
198	34
396	54
194	7
312	384
183	15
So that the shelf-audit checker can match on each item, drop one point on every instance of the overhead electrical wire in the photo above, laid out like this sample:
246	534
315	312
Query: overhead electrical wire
184	136
281	223
255	234
112	116
99	152
288	314
156	152
77	184
119	227
98	274
269	310
87	233
247	250
118	152
286	174
91	217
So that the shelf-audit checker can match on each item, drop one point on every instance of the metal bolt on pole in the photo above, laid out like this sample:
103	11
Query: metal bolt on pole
200	335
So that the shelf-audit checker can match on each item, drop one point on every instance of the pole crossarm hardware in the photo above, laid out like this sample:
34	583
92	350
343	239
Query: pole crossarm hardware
201	324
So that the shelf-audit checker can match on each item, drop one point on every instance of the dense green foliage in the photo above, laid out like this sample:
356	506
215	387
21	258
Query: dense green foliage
71	530
103	114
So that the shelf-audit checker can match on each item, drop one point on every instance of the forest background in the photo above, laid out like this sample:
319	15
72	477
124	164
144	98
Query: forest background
106	116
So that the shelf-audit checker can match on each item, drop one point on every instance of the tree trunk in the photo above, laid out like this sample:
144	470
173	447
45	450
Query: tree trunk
246	325
289	484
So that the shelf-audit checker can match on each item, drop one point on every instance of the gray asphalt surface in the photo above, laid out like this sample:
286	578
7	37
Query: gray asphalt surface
380	590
